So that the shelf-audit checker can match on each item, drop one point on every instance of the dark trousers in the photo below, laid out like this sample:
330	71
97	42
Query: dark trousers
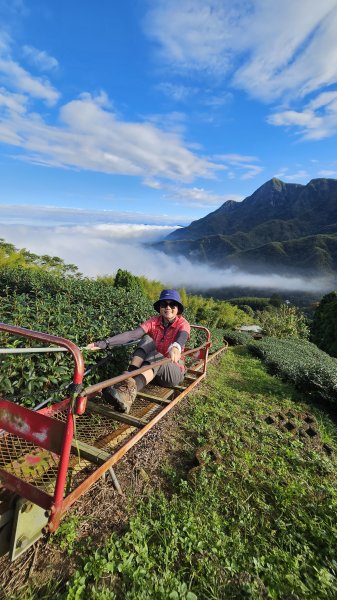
166	375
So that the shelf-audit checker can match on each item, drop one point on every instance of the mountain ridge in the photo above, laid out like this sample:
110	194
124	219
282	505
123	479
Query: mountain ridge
302	218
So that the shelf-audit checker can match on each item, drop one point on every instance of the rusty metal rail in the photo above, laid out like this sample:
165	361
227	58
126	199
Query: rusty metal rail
44	462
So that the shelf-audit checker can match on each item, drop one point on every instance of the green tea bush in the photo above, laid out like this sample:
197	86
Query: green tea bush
80	310
236	338
313	371
284	322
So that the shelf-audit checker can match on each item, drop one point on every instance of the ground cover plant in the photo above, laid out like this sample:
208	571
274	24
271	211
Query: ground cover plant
255	518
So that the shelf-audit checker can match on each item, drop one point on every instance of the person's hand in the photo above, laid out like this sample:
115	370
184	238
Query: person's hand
175	354
91	346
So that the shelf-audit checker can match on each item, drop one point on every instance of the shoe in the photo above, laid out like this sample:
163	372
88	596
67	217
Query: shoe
122	395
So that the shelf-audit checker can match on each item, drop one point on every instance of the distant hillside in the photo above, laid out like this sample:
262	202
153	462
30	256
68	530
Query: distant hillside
283	226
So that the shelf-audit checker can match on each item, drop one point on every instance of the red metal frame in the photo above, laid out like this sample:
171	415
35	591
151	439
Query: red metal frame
14	483
58	436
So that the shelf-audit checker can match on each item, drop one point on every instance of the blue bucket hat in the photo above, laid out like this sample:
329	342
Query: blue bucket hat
169	295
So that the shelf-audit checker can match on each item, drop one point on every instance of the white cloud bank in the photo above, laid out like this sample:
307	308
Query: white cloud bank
102	249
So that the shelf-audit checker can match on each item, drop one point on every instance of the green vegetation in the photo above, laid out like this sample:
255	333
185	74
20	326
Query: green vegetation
283	322
324	325
301	362
10	256
237	338
82	310
259	523
55	301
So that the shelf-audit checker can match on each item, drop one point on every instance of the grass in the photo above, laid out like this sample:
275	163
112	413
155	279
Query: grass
259	523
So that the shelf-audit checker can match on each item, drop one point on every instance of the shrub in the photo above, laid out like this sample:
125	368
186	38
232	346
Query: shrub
80	310
324	325
236	338
284	322
301	362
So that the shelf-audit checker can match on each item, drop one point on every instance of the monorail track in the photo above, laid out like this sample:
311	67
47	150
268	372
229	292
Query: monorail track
49	458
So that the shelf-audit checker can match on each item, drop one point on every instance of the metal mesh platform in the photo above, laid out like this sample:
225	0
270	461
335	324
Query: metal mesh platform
39	467
27	461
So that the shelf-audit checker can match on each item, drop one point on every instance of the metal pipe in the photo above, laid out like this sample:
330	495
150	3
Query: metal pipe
30	350
51	339
97	387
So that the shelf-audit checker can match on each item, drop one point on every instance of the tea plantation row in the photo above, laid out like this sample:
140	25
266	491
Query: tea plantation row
312	371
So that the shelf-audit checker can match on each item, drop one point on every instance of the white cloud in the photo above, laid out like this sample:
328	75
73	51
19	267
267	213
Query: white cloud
327	173
239	163
17	78
15	103
26	214
274	51
192	196
194	34
87	133
95	253
126	233
284	174
317	120
91	137
199	197
40	58
178	92
269	48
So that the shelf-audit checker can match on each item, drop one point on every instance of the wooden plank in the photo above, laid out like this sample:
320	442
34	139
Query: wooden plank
154	399
112	414
91	453
195	371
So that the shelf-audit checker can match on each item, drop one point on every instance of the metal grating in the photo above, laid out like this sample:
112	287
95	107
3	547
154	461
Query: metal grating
28	462
39	467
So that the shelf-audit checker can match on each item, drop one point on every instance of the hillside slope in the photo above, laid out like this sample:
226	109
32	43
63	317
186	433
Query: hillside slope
281	225
259	522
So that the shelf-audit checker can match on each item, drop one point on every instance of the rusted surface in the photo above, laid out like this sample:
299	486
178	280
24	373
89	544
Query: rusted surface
85	485
97	387
25	490
36	428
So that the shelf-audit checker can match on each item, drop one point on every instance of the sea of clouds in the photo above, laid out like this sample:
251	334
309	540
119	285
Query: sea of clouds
98	245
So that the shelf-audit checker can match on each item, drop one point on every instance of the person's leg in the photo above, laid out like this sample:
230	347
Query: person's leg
169	375
122	395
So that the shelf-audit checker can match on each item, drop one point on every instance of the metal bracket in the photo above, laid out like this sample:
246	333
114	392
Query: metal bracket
28	524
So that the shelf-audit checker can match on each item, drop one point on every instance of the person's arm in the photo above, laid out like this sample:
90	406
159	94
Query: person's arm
176	347
117	340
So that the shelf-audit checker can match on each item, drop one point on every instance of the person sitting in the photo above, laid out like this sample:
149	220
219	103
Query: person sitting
162	336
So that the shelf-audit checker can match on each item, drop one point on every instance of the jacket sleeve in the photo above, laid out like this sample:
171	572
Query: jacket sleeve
121	338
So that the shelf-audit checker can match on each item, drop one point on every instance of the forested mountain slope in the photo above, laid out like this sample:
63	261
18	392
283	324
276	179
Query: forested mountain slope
281	225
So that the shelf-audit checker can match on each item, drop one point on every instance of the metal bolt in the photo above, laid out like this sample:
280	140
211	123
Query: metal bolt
22	541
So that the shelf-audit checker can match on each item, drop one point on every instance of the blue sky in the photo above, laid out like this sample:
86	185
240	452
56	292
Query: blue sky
155	112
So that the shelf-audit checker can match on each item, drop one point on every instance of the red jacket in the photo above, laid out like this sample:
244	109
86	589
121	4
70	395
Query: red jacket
162	336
